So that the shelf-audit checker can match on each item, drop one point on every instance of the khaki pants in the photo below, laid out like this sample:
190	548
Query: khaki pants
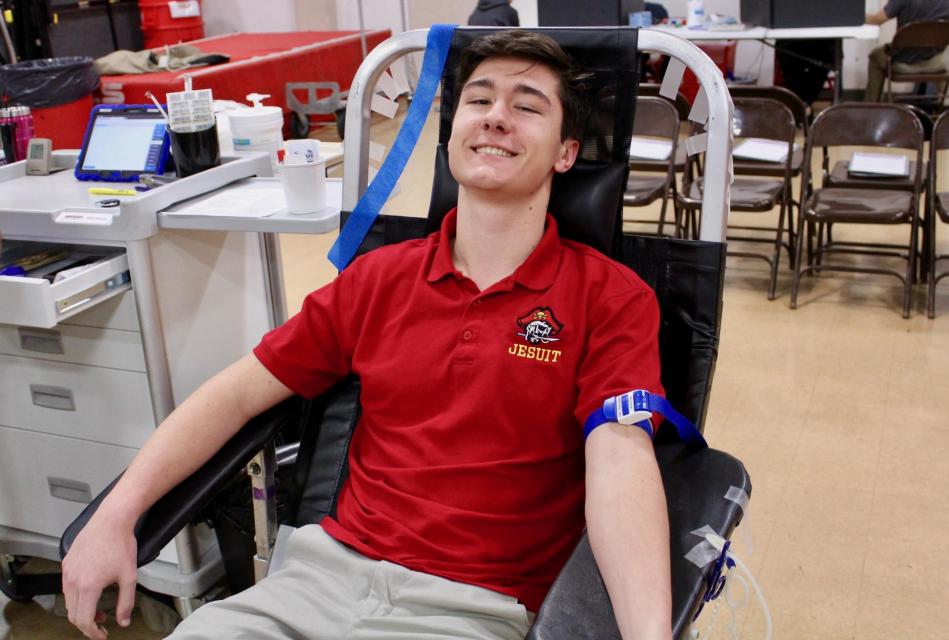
876	71
327	591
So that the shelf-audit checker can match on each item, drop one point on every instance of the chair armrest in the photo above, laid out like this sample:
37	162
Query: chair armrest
185	502
695	480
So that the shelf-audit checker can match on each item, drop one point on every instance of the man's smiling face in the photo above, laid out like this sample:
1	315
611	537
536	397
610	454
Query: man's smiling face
505	136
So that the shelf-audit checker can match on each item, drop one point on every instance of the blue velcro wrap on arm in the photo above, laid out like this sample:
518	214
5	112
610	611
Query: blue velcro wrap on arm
645	401
371	202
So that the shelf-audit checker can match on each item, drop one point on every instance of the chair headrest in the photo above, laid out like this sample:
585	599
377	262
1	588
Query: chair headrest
586	200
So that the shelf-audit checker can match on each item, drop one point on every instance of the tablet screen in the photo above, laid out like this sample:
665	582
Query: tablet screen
125	140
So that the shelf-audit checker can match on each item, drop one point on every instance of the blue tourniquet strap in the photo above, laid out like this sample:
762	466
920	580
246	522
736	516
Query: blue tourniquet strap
654	404
369	206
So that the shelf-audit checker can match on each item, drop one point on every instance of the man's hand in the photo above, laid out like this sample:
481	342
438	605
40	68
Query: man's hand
103	554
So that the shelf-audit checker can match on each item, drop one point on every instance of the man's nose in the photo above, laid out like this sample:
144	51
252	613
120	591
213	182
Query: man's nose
497	117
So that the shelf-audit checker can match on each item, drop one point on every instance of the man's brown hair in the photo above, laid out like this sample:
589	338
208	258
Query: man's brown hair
539	49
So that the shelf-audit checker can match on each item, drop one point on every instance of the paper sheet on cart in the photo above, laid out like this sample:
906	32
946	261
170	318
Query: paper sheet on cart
879	164
761	149
649	148
243	201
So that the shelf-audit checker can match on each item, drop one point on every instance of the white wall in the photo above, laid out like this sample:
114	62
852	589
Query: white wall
229	16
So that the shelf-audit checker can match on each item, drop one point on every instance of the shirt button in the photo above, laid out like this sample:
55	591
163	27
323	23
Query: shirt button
466	335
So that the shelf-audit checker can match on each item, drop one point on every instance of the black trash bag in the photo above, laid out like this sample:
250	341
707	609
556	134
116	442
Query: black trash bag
49	82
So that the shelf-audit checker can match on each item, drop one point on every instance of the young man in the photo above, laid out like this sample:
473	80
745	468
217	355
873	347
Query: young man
481	350
909	61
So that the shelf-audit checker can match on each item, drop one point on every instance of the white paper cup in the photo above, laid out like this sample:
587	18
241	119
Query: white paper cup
304	186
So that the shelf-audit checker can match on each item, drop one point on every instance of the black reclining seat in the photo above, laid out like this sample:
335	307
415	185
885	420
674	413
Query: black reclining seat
688	279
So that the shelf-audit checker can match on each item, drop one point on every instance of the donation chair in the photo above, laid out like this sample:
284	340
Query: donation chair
701	484
891	201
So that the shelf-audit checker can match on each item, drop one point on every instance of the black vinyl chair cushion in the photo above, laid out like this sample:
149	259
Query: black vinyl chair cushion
578	606
184	503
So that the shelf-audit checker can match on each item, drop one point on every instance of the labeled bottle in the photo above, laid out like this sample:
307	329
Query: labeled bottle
696	15
7	136
23	119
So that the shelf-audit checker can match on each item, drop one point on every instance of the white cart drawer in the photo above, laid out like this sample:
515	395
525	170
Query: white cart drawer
115	313
34	301
48	480
76	344
91	403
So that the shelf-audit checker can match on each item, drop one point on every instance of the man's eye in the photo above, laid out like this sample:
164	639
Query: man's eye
478	101
527	108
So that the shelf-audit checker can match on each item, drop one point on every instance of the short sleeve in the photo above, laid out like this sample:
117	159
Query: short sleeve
622	351
892	8
313	350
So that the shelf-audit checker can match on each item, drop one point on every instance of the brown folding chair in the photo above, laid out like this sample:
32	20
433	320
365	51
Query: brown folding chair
651	180
864	125
918	35
767	185
938	206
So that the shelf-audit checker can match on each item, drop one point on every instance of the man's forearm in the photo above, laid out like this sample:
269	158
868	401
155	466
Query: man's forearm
628	527
191	435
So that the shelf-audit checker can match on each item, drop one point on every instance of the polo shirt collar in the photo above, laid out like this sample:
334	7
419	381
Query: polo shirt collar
537	272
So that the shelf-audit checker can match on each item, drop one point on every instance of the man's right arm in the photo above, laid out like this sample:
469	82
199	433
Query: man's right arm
104	552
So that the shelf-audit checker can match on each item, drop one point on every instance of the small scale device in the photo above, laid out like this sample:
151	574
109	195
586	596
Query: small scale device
39	156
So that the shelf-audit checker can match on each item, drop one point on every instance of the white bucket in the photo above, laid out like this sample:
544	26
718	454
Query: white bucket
259	128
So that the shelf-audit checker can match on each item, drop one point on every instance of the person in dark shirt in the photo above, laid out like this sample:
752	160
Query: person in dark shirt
494	13
907	60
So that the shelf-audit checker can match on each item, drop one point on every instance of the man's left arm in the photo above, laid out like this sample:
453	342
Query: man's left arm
628	528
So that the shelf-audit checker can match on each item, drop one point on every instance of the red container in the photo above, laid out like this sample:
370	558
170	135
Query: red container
64	124
161	27
722	54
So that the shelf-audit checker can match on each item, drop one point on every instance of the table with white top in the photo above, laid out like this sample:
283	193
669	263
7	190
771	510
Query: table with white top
768	36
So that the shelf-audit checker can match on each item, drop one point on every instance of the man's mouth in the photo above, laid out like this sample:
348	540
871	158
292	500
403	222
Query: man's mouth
495	151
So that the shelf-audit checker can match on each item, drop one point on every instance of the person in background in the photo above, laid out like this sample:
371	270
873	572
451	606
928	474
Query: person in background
494	13
907	60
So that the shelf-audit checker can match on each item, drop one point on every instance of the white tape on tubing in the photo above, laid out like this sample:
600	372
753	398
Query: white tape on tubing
738	496
384	106
704	552
699	112
672	79
696	144
386	84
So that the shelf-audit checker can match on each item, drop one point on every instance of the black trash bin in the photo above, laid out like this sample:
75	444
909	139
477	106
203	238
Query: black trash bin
59	93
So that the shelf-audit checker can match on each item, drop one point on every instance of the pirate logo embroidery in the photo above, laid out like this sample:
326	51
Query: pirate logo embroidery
539	326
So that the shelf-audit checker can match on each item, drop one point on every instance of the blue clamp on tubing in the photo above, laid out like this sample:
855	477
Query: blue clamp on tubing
371	202
715	582
636	408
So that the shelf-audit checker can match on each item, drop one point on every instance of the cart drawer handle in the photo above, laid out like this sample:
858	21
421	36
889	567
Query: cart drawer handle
71	490
58	398
41	341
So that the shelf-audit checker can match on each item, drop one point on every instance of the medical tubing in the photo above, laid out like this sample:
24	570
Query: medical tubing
757	588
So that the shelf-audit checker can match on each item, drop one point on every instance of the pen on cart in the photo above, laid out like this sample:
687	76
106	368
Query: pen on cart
111	191
151	96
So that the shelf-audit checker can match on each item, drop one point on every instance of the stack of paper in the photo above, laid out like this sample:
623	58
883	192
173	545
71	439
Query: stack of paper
879	164
761	149
643	148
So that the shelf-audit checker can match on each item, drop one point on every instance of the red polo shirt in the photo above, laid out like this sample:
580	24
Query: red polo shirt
468	460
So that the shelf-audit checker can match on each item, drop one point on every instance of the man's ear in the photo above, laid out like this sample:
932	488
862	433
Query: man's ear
569	149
